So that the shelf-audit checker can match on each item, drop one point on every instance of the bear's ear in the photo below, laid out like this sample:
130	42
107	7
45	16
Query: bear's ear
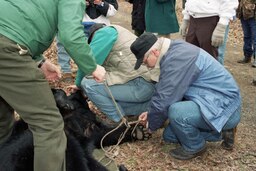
62	101
59	93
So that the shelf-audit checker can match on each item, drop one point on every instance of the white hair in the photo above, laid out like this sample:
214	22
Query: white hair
157	45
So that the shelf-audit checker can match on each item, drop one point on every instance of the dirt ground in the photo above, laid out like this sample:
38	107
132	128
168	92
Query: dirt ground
153	155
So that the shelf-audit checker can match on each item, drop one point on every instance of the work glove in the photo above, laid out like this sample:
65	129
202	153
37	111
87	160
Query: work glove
184	28
218	35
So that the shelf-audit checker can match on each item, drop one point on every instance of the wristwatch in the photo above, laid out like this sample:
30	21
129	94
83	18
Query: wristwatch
41	63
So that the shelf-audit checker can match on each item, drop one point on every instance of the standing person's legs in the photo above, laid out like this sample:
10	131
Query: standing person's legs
23	87
205	28
247	48
64	62
63	58
200	33
222	48
253	34
191	36
132	97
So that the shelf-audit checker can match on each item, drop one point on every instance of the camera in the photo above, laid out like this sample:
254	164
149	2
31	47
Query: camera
91	2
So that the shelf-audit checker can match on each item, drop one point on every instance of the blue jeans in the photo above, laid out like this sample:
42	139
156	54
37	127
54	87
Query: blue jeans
87	26
63	58
249	30
222	48
132	97
188	127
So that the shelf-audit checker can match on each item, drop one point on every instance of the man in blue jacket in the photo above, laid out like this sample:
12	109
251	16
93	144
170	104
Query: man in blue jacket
196	93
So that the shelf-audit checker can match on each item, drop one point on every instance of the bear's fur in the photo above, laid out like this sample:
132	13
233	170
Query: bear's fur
83	131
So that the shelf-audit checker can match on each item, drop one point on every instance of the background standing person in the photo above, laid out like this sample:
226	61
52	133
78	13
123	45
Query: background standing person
246	12
96	11
205	21
27	29
222	47
198	96
138	16
160	17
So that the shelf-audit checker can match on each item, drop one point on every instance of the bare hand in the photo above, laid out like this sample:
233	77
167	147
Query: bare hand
99	74
51	71
72	89
143	118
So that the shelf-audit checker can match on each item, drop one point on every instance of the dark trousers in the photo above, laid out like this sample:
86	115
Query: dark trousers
249	30
200	33
24	89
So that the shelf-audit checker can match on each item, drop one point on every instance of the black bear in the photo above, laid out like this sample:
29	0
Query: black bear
84	133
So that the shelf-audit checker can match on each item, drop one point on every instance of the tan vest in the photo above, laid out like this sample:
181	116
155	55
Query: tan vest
121	61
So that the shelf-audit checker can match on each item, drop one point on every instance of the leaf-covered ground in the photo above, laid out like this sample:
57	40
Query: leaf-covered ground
153	155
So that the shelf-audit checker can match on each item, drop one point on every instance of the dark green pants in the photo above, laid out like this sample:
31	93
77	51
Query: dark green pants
24	89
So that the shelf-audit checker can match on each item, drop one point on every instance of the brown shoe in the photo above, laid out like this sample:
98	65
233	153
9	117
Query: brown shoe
181	154
254	64
245	60
228	137
254	82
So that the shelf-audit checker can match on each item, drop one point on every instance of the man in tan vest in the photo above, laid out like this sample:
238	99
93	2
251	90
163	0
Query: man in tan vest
131	89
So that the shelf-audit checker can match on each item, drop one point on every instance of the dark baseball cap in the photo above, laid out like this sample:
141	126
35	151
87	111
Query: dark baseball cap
141	45
94	28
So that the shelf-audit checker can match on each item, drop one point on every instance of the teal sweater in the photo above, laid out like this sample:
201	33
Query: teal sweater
101	44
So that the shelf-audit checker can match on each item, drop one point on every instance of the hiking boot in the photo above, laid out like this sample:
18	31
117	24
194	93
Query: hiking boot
245	60
254	64
181	154
228	137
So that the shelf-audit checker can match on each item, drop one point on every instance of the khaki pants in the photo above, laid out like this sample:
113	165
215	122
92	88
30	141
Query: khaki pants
24	89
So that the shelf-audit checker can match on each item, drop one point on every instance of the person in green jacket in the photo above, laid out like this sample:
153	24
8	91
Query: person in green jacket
160	17
27	29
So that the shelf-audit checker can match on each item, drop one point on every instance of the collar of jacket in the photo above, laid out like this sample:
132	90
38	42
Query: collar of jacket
165	44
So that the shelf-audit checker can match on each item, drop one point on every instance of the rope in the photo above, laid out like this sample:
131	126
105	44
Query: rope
109	153
114	101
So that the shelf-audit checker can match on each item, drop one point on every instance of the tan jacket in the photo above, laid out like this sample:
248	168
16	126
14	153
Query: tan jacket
121	61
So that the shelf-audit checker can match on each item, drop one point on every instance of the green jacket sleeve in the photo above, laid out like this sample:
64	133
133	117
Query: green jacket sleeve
101	45
71	35
38	58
